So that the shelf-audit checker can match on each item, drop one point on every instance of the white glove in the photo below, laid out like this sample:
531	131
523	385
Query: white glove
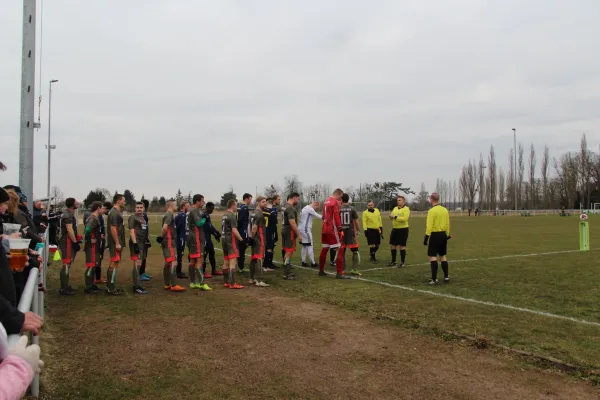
31	354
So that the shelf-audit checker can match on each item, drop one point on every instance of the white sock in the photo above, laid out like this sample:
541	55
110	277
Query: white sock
311	253
303	253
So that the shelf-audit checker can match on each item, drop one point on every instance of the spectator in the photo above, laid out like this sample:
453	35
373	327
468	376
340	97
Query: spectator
53	219
40	218
18	366
13	320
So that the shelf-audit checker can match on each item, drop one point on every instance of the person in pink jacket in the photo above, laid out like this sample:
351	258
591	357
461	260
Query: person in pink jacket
18	366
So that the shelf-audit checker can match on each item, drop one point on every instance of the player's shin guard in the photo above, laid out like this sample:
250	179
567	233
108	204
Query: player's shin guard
434	270
445	268
322	259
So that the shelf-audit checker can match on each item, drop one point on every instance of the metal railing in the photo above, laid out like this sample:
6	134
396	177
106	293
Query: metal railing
32	299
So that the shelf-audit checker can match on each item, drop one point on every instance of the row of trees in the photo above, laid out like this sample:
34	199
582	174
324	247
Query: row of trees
570	180
384	194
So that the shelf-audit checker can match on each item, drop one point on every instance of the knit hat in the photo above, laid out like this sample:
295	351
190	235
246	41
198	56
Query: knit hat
4	197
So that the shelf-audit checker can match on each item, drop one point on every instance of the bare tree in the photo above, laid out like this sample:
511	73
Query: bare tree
545	172
520	173
510	179
469	182
532	184
585	171
501	188
481	180
272	190
291	184
566	180
492	179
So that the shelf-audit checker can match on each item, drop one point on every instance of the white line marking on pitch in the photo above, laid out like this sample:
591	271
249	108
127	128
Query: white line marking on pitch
485	259
466	299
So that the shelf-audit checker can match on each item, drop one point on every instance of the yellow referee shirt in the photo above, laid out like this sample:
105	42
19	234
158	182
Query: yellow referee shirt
438	220
402	215
371	220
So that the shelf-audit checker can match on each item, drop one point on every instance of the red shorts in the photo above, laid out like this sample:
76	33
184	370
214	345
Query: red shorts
135	257
330	241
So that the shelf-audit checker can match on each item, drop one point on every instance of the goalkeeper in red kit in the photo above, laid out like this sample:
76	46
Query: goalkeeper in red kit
331	234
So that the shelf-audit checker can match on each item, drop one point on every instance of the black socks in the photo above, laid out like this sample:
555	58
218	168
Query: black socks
434	270
394	251
445	268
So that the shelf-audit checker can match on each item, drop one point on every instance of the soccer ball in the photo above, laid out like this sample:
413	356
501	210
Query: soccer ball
583	217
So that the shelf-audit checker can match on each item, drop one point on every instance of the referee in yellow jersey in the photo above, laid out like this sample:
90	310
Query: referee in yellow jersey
399	235
437	235
372	225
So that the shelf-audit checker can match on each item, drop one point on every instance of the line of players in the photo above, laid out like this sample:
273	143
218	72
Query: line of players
339	232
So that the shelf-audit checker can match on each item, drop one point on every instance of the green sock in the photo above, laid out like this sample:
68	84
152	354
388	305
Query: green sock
89	277
134	275
64	277
167	275
287	267
355	260
173	275
200	274
252	269
192	273
110	276
225	275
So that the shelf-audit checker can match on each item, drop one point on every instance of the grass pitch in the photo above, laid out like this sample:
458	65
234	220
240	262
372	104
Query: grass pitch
322	338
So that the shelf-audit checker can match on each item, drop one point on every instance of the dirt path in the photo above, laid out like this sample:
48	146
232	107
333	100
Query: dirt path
255	344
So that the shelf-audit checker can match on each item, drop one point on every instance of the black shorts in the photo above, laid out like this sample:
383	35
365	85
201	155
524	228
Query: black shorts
438	244
373	237
399	237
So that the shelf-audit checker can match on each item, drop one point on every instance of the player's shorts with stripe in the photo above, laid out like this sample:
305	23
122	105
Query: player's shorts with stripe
330	240
115	255
288	242
258	248
66	252
195	245
438	244
230	249
349	241
141	255
168	249
399	237
373	237
92	255
307	239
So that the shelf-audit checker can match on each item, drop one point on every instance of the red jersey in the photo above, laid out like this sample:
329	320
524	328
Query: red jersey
331	217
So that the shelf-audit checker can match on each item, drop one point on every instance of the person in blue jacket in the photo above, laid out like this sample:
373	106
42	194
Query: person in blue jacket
209	248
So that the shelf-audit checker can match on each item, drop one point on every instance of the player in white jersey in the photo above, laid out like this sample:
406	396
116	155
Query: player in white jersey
306	218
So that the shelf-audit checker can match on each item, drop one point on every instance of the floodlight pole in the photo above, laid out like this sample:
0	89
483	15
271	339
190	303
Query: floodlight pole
515	168
49	146
27	99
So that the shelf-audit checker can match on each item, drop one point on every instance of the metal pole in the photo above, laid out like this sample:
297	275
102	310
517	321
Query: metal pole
49	146
27	99
515	168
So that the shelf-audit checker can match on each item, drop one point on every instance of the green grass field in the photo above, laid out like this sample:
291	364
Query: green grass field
493	261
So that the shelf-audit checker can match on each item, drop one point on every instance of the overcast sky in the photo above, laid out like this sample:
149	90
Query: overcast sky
156	95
